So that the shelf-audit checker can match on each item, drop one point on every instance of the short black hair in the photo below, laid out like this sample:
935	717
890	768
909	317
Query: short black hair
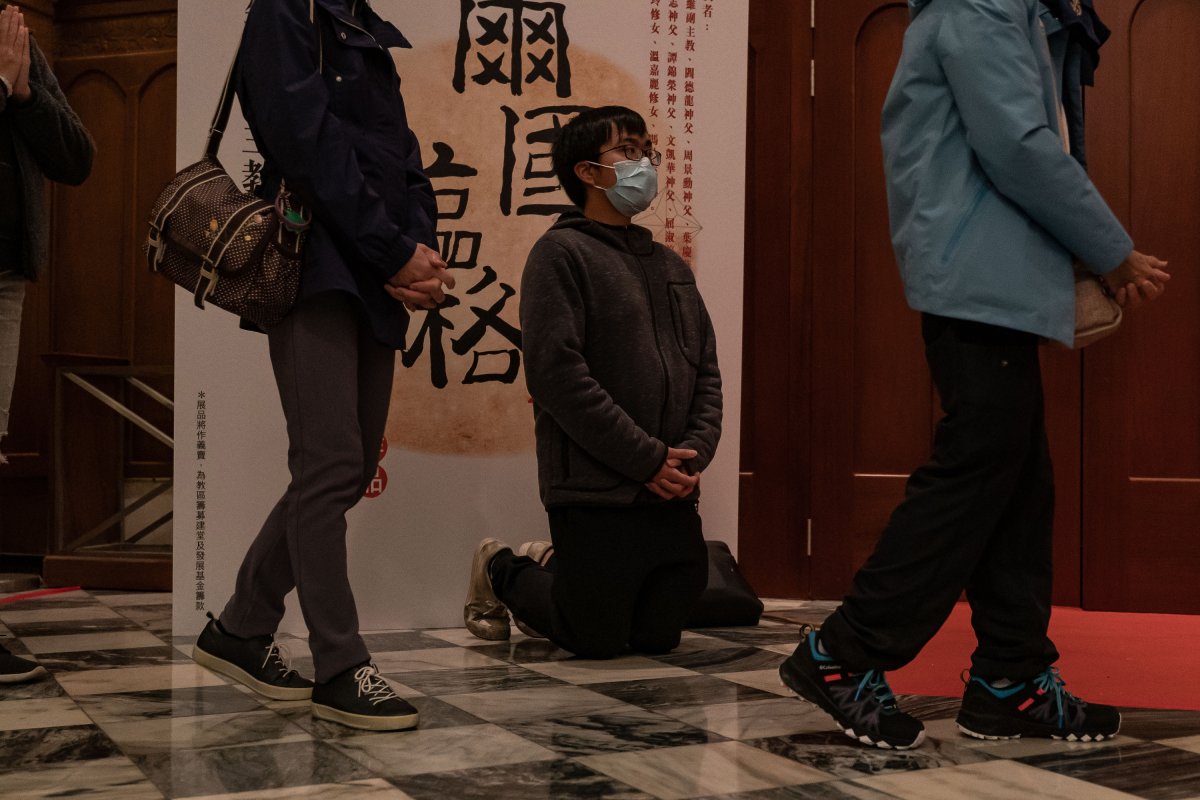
582	138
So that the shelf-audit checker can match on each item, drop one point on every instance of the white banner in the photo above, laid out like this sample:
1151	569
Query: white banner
486	84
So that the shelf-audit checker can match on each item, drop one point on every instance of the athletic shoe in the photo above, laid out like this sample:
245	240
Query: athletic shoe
1040	706
861	703
14	669
361	698
484	614
257	662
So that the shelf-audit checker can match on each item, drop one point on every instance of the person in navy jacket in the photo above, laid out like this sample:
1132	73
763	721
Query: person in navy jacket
320	92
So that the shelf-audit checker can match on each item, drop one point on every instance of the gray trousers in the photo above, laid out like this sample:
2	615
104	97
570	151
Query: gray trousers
335	384
12	296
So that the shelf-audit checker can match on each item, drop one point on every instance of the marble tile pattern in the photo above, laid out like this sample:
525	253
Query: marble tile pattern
126	715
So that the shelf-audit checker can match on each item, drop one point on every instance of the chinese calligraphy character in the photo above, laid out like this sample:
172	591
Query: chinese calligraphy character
516	42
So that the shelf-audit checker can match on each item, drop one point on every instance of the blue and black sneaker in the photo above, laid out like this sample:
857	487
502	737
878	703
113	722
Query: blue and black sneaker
861	703
1040	706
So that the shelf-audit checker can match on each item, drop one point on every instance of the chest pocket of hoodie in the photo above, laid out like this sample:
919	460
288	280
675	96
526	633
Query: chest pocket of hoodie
686	319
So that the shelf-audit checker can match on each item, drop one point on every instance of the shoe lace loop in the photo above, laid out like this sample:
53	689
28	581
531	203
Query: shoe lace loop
1051	682
279	654
372	685
873	681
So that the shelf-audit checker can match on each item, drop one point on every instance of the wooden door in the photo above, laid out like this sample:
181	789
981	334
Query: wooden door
774	456
1141	544
874	407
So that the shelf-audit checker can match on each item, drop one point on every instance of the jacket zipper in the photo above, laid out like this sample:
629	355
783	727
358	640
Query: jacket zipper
657	342
359	27
395	85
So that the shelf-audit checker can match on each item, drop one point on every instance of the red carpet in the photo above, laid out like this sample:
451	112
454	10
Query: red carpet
16	598
1138	660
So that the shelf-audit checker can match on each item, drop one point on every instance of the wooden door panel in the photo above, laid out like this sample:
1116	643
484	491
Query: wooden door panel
774	455
1142	387
870	388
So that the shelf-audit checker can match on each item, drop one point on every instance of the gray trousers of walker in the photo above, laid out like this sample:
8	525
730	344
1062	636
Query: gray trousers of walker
335	385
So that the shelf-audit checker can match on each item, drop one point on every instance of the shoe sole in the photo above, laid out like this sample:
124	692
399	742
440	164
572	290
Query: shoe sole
1070	737
22	677
798	683
487	599
365	722
233	671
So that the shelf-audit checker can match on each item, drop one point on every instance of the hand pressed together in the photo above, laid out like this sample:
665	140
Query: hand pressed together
671	481
421	283
14	52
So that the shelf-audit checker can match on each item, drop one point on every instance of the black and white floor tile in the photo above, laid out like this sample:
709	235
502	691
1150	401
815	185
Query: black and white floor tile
126	715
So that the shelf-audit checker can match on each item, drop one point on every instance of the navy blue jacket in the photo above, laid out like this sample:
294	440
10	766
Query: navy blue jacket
339	136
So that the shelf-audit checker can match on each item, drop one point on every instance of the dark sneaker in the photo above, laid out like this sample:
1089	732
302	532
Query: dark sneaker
14	669
258	663
483	613
1040	706
862	704
361	698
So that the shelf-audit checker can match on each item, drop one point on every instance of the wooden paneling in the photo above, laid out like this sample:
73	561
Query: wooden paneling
864	350
774	457
1141	546
116	61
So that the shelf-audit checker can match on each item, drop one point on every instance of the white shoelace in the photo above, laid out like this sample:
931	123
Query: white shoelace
372	685
281	654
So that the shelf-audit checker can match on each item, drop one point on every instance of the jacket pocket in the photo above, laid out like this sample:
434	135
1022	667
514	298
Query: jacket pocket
579	471
964	221
685	318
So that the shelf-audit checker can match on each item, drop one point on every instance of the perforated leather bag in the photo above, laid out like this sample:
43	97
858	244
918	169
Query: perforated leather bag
226	246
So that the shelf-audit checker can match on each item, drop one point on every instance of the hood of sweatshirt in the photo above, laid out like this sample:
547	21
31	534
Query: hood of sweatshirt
633	239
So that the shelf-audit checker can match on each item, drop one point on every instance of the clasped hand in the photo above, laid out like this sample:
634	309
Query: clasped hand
14	52
671	482
1140	277
421	283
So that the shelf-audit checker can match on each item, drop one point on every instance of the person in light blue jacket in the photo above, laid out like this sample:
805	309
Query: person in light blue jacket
989	212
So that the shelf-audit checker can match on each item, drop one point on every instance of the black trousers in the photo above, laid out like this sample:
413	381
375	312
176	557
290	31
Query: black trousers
335	384
621	577
978	516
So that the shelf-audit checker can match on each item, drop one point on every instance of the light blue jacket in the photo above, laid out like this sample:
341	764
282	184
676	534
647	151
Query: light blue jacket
987	210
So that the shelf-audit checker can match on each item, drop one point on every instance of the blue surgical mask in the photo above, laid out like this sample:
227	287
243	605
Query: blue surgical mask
636	186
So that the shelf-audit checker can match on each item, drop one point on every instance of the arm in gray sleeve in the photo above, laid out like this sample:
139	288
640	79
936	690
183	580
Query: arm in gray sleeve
704	418
50	129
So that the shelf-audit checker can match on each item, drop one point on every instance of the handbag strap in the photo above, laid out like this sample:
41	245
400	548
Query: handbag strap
216	131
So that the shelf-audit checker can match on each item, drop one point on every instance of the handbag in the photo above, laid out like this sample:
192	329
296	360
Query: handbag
728	601
1097	313
224	245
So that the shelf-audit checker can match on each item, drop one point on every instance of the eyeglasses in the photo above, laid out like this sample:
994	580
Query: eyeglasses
634	153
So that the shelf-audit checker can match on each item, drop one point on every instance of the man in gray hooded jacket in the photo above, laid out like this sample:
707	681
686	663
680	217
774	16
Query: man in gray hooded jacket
620	359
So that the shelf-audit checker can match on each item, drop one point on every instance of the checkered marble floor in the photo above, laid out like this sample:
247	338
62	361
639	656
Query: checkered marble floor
127	715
